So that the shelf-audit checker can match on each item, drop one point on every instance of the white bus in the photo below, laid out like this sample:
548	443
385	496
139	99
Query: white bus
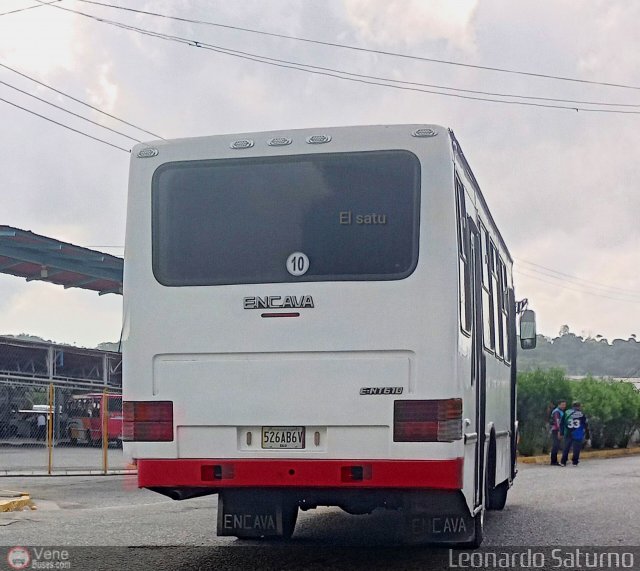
320	317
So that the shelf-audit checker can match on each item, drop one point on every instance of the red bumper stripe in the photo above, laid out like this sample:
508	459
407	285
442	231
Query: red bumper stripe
437	474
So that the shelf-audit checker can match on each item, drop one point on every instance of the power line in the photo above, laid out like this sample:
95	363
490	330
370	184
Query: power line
65	126
361	49
69	112
582	286
75	99
581	280
586	284
579	290
329	72
27	8
373	80
461	90
411	83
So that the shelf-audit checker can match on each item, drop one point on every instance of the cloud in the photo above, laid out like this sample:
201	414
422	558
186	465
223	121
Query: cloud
66	316
410	22
105	93
26	37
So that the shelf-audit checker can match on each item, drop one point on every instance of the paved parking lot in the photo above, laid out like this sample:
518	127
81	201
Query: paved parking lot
594	504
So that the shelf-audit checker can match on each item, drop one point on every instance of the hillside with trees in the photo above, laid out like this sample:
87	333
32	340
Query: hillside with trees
580	356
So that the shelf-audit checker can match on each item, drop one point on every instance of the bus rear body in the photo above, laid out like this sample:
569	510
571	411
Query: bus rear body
303	325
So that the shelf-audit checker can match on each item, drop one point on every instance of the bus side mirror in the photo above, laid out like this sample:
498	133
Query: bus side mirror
528	329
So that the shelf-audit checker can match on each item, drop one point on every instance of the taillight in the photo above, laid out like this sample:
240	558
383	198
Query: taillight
427	420
147	421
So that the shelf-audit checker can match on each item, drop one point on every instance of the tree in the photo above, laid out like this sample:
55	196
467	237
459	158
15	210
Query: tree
538	392
612	407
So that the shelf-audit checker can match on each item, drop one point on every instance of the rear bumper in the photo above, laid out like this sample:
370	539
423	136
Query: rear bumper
231	473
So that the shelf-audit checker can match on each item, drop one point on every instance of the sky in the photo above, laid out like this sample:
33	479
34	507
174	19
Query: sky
563	185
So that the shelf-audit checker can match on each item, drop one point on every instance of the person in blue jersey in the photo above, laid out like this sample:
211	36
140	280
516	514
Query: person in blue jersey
575	432
556	425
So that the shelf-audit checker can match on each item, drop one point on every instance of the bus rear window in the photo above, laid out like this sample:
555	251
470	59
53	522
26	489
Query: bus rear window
320	217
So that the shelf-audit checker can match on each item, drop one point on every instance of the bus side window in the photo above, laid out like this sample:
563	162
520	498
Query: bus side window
496	297
463	255
504	309
487	298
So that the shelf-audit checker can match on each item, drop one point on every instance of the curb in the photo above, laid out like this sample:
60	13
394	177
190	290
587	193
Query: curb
614	453
14	501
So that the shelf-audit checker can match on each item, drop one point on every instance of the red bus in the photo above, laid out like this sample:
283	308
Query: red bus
85	419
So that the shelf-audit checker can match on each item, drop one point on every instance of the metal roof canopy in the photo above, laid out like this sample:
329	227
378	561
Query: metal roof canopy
36	363
34	257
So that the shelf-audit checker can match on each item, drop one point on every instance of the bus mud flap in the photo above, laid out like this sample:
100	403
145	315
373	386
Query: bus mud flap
248	513
437	517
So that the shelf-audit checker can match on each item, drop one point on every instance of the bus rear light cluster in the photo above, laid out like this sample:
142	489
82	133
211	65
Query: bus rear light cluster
427	420
147	421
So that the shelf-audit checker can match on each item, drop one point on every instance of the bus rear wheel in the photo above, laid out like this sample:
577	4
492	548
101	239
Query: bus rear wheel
478	530
498	496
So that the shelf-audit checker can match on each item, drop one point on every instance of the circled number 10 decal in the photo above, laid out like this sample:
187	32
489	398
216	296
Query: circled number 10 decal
297	264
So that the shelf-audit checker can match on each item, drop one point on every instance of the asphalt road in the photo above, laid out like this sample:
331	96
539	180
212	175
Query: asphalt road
595	504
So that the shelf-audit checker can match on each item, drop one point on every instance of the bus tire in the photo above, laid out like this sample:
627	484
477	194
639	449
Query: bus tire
478	530
498	496
514	451
490	476
289	519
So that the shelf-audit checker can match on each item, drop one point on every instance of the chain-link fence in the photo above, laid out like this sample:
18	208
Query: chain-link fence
60	409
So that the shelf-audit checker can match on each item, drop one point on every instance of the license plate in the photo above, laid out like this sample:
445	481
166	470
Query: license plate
283	436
